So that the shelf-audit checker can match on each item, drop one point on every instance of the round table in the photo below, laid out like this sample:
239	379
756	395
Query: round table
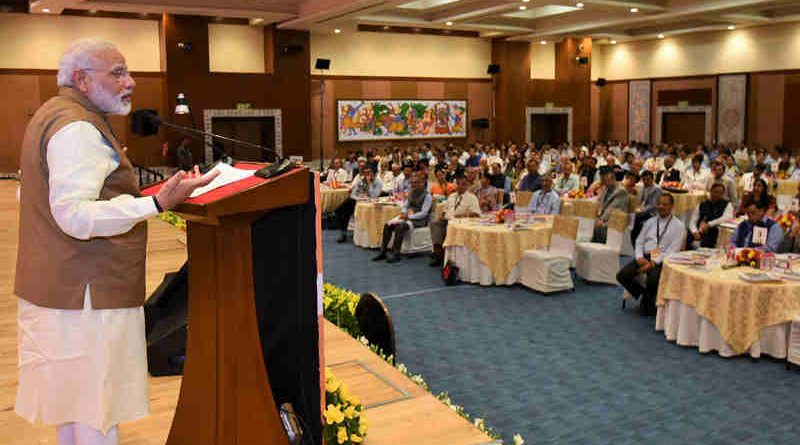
331	199
716	310
488	253
370	218
581	208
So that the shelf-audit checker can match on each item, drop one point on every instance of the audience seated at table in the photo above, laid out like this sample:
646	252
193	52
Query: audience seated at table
441	186
454	169
364	187
545	201
499	180
489	197
612	197
706	218
718	177
415	213
460	204
647	202
567	181
661	236
588	172
336	172
758	194
746	233
696	176
669	173
531	181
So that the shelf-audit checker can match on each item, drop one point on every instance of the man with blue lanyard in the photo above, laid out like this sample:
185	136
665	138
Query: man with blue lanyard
758	230
545	201
661	236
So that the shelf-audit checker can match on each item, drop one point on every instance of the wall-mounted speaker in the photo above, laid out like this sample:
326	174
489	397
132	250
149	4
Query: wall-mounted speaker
323	64
601	81
292	48
493	69
583	60
481	123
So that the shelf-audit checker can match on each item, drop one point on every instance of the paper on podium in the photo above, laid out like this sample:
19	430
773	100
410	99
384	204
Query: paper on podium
226	176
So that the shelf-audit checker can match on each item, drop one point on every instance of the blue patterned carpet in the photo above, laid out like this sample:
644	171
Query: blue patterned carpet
571	368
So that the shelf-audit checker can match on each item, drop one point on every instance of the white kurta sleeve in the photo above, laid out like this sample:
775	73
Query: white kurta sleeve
79	162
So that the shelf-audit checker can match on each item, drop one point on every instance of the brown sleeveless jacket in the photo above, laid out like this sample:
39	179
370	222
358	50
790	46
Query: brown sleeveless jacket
54	268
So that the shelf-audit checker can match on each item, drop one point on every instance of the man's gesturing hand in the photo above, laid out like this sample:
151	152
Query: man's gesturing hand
177	188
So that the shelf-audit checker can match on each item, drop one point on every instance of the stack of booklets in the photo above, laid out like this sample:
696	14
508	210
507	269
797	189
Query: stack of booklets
759	277
688	259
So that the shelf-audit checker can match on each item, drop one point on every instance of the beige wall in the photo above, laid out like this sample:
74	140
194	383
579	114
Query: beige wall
765	48
36	41
235	48
401	55
543	60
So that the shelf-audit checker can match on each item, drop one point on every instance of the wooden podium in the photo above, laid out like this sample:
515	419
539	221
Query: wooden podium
254	329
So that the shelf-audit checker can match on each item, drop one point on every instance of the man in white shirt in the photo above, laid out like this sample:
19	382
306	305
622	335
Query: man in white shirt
696	177
567	181
718	177
684	162
661	236
545	201
390	179
336	172
461	204
83	362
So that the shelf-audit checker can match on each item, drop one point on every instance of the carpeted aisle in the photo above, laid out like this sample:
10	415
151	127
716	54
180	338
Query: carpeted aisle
571	368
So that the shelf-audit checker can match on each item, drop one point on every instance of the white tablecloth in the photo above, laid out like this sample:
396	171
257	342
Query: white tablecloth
681	324
473	270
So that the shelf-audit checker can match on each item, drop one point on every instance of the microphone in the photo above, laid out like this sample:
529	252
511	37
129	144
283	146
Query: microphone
145	122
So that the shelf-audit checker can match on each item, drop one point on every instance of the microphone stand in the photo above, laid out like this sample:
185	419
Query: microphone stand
280	165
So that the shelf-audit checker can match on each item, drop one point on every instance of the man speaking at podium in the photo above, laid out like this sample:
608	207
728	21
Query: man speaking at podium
81	259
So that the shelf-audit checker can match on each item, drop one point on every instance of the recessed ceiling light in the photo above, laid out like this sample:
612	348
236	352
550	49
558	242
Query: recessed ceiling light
45	10
386	27
613	42
543	42
449	23
337	31
92	11
579	5
661	36
634	10
731	27
523	7
525	1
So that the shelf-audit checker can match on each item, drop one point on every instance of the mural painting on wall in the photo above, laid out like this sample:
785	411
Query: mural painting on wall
732	108
368	120
639	111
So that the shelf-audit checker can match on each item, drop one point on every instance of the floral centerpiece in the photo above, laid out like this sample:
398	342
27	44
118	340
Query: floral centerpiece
672	185
576	194
786	221
344	420
748	257
501	216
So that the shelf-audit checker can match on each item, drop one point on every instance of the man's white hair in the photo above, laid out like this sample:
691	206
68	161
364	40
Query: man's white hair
80	54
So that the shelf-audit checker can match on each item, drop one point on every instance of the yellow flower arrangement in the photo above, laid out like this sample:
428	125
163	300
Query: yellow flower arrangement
344	421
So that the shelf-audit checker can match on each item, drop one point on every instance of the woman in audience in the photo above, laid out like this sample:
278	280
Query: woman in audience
441	187
758	195
488	196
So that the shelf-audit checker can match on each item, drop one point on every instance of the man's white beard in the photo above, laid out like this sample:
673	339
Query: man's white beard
108	103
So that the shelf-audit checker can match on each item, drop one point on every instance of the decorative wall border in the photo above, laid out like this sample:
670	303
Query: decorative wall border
532	111
639	99
709	126
210	114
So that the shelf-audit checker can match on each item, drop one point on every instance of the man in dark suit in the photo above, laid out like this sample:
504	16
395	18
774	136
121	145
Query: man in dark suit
670	173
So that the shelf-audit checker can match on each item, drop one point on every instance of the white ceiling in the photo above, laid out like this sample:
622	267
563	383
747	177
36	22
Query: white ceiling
531	20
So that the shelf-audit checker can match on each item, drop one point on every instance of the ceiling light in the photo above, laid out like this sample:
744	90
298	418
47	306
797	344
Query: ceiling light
543	42
337	31
523	7
613	42
634	10
45	10
92	11
579	5
525	1
386	27
731	27
661	36
449	23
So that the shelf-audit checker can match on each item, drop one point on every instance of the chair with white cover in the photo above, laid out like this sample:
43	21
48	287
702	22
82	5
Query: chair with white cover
549	270
597	262
793	355
418	239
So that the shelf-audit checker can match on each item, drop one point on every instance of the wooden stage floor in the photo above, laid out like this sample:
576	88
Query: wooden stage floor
398	411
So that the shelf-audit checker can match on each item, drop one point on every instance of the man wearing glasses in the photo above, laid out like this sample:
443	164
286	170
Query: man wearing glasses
81	258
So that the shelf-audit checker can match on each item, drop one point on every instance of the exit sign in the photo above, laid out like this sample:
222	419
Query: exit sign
243	106
549	105
683	103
